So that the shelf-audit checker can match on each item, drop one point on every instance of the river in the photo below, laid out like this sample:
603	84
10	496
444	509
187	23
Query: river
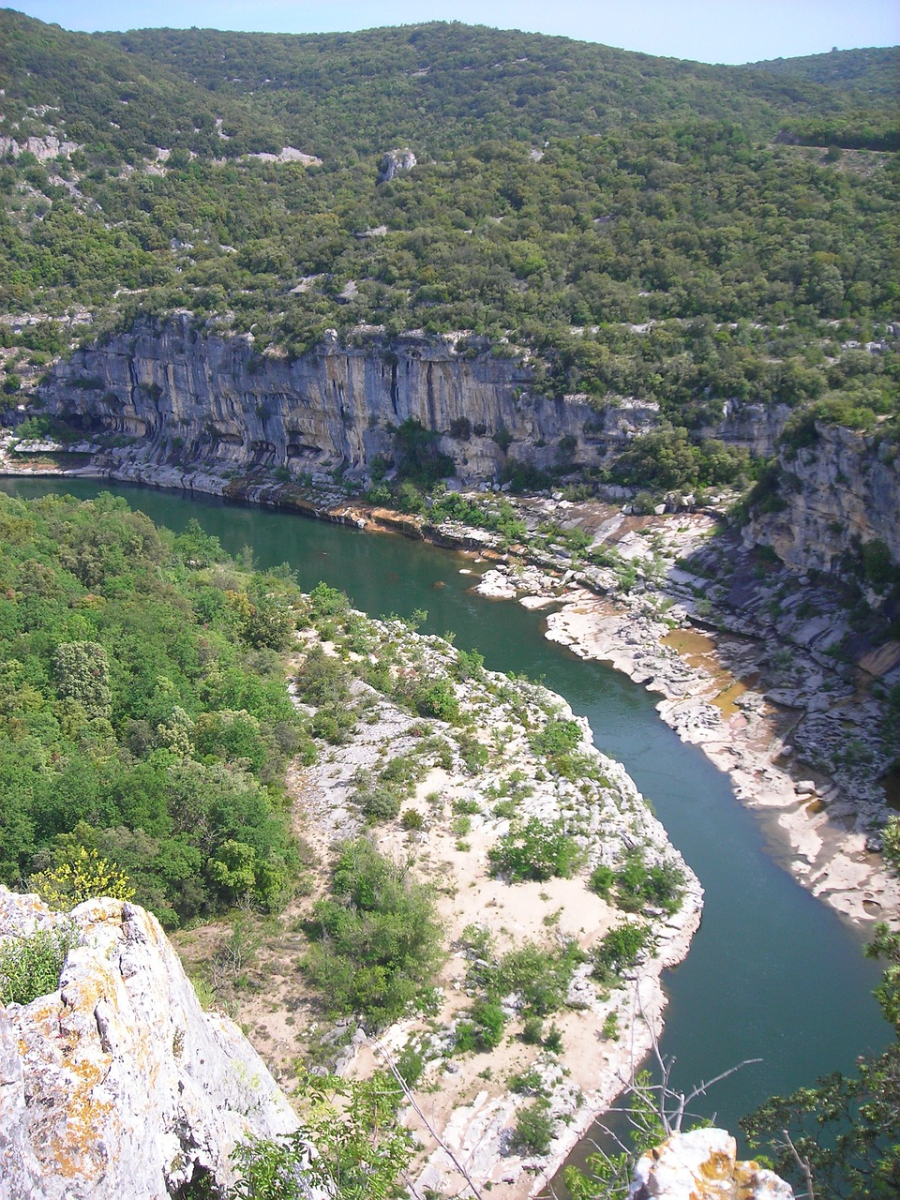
773	973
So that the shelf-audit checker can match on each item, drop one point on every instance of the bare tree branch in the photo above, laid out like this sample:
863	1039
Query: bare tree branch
803	1164
428	1125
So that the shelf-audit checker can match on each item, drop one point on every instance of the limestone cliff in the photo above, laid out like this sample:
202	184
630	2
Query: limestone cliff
210	403
200	401
841	491
118	1086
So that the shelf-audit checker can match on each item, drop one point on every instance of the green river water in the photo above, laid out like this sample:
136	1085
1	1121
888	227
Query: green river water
772	972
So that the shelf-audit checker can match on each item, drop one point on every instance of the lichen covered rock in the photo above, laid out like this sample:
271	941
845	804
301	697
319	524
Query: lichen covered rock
118	1084
702	1165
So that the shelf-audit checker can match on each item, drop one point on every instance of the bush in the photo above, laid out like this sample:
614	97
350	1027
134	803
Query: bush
526	1083
534	1128
620	950
489	1022
475	753
556	739
638	885
376	939
601	880
537	851
30	966
417	455
437	699
380	804
539	975
533	1031
77	877
553	1041
461	429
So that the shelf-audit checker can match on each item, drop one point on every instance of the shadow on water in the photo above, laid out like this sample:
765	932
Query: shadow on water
772	973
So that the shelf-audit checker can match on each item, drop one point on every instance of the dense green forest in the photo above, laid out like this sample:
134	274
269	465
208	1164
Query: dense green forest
649	227
144	717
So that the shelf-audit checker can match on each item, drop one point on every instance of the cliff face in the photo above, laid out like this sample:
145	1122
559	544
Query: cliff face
209	401
198	401
118	1084
201	401
844	488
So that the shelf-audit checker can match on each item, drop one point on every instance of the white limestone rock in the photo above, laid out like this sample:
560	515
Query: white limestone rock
702	1165
118	1086
393	162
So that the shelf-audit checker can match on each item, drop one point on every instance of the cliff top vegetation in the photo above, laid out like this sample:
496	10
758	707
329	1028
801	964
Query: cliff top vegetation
649	227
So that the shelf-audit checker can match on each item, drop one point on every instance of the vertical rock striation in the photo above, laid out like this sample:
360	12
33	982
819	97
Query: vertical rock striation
210	402
840	492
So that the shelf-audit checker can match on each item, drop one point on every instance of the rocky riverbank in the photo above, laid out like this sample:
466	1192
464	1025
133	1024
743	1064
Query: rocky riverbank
801	733
507	761
764	669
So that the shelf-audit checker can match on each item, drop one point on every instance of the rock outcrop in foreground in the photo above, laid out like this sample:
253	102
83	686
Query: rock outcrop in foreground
118	1085
702	1165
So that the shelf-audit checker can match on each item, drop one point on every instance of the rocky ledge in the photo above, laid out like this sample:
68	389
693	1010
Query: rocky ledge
117	1084
806	755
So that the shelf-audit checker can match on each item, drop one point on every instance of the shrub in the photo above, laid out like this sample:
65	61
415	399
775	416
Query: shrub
417	455
527	1083
412	819
553	1041
619	950
461	429
380	804
475	753
489	1022
362	1149
376	939
556	738
533	1031
466	807
437	699
536	851
469	665
660	885
534	1128
539	975
523	476
601	880
80	876
411	1063
403	770
464	1038
327	601
30	966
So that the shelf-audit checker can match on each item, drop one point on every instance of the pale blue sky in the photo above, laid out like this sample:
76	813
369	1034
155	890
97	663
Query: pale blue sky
727	31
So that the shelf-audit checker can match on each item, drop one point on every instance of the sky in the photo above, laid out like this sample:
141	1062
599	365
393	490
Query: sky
720	31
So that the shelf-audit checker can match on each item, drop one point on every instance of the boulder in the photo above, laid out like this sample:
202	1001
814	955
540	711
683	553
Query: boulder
702	1165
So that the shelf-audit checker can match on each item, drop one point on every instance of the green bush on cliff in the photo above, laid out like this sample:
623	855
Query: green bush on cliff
639	884
375	940
30	966
619	950
535	850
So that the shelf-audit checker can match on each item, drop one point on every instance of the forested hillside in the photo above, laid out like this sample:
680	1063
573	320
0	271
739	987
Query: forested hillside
650	227
144	716
442	86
